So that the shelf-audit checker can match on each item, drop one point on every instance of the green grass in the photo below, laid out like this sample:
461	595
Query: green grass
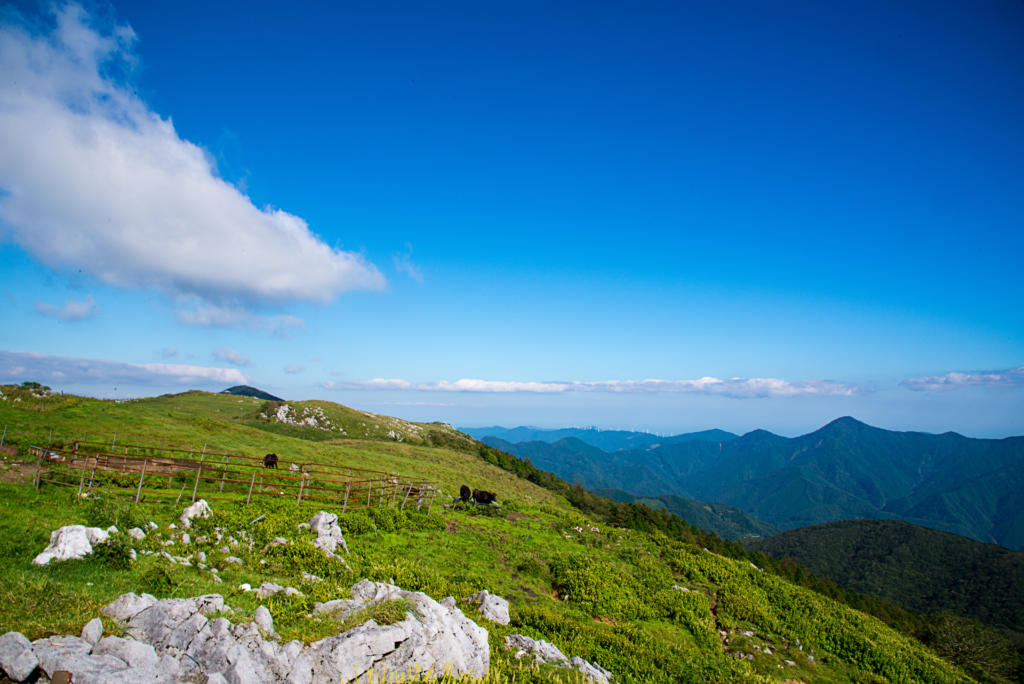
592	589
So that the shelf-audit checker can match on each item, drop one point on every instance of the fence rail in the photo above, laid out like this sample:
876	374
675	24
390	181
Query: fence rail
163	475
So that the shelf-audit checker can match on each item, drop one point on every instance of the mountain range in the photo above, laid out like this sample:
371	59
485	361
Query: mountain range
846	469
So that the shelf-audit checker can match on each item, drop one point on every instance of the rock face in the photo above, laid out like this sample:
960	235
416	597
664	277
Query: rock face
437	637
200	509
492	607
174	640
16	656
546	653
71	541
328	534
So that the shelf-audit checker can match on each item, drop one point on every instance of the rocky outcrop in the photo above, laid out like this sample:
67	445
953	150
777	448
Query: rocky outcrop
492	607
328	533
174	640
71	541
200	509
546	653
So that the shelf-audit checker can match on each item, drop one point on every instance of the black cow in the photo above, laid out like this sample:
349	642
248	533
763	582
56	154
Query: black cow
465	494
270	461
484	497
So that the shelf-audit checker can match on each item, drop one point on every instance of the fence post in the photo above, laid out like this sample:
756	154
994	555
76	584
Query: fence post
345	504
92	475
423	492
4	436
369	488
178	500
301	482
81	481
196	485
407	493
224	472
433	490
113	442
138	492
251	485
39	464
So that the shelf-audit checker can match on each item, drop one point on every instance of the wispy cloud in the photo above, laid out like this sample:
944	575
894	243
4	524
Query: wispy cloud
231	356
404	264
60	370
93	179
73	309
168	352
292	370
1011	377
215	316
739	388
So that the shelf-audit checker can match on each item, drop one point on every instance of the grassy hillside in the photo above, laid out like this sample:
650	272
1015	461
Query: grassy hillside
924	570
596	590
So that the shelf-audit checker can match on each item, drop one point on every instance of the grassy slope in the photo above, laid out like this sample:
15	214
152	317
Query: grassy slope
595	591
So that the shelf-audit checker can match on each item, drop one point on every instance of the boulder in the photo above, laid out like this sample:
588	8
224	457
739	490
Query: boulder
544	652
92	631
71	541
16	656
328	534
492	607
591	671
200	509
136	533
265	621
434	638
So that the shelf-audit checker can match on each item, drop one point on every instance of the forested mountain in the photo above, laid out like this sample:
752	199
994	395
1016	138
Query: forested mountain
725	521
606	440
922	570
846	469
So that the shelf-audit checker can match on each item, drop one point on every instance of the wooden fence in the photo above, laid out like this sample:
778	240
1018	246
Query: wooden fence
167	475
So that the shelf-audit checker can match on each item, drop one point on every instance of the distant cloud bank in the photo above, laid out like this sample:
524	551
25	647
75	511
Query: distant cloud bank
92	179
62	370
1011	377
739	388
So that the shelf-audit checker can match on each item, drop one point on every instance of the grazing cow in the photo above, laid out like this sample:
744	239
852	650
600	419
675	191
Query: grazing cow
270	461
465	494
484	497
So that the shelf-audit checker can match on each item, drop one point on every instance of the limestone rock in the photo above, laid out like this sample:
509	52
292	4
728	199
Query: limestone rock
434	638
591	671
264	620
492	607
92	631
268	589
200	509
136	533
16	656
544	652
71	541
127	606
328	534
135	653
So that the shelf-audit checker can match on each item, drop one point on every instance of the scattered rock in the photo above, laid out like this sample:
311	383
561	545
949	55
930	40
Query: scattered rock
492	607
153	525
200	509
245	586
310	577
328	534
233	560
546	653
268	589
679	588
265	621
92	631
16	656
71	541
185	539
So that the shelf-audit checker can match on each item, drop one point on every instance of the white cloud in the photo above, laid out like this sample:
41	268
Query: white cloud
168	352
73	309
739	388
214	316
404	264
91	178
1011	377
21	366
231	356
291	370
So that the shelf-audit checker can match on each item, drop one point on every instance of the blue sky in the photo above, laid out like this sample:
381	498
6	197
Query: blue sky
512	213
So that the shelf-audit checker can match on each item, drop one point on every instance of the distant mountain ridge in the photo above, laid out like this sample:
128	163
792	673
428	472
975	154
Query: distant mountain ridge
922	570
606	440
846	469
